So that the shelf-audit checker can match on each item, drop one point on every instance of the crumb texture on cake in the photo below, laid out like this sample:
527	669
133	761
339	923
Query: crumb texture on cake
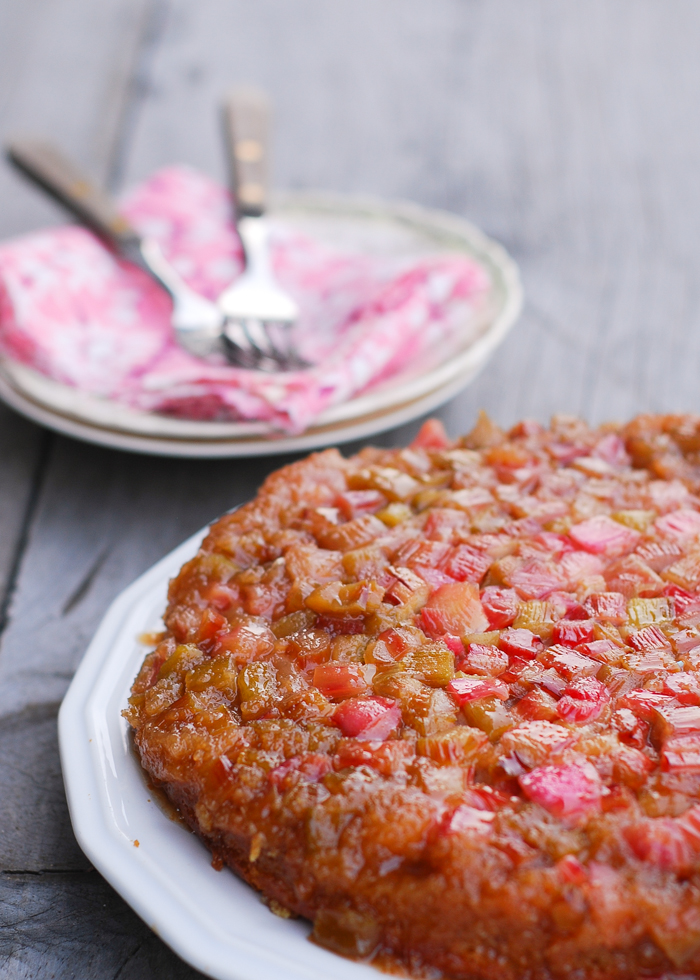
444	701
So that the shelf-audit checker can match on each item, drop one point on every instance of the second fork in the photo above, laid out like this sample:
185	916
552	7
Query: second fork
258	313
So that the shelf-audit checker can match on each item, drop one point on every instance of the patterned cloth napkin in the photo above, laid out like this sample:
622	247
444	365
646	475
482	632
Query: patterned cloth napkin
74	312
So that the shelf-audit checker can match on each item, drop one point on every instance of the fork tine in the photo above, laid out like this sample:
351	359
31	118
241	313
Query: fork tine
279	334
238	347
258	337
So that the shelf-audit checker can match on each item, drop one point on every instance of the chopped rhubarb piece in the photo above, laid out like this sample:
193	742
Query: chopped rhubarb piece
311	767
647	612
649	638
567	605
681	754
689	612
355	503
555	545
393	644
643	703
673	721
685	640
658	555
534	742
367	718
569	663
611	607
345	626
432	576
520	643
424	553
685	571
572	793
631	766
611	448
525	428
500	606
604	651
466	564
454	643
465	689
431	435
684	687
345	601
667	495
571	870
580	565
583	700
678	594
246	642
472	499
221	597
602	536
566	452
387	758
679	524
453	747
342	680
407	588
689	822
644	663
210	625
442	523
468	819
661	842
484	660
508	457
545	677
537	704
536	579
453	608
633	577
573	632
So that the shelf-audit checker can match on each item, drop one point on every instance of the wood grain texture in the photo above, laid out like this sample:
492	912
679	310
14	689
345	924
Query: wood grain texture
64	71
22	447
563	129
74	926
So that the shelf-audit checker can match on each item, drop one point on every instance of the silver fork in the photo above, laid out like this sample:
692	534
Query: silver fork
258	313
197	322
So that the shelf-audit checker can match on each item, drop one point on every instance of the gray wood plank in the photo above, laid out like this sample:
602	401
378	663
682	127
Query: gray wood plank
65	69
64	72
74	927
21	445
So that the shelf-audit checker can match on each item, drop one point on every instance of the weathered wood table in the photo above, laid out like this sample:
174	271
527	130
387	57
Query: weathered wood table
567	130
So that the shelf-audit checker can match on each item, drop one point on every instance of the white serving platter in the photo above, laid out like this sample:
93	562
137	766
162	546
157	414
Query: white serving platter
211	919
377	227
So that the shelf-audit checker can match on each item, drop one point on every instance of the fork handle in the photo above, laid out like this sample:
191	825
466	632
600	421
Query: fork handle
61	179
246	117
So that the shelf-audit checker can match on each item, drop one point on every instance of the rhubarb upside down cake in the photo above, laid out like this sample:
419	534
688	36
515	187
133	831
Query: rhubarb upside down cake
444	701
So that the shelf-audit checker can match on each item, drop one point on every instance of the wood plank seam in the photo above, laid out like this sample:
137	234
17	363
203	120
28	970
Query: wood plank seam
11	872
37	483
155	22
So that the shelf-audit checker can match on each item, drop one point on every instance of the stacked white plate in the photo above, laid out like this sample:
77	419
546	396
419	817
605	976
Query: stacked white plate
375	227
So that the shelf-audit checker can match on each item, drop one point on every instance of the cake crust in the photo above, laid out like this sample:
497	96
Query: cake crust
444	701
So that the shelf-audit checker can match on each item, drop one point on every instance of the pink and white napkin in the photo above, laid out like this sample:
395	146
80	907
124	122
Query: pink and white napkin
74	312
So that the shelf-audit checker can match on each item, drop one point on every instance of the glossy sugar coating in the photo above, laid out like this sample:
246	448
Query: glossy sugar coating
445	701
